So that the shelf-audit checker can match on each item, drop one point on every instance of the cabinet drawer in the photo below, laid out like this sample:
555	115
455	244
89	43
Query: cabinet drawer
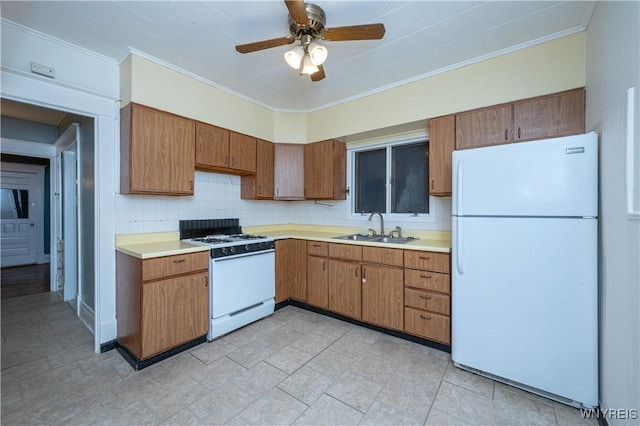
427	280
427	260
384	256
345	251
317	248
433	302
173	265
429	325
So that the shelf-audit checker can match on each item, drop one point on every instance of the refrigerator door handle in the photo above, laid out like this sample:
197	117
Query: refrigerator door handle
459	187
459	248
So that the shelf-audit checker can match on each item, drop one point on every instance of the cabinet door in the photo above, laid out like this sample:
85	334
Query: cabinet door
291	270
260	185
550	116
289	172
212	146
345	288
382	296
318	281
442	140
484	127
242	152
174	311
157	152
325	170
264	169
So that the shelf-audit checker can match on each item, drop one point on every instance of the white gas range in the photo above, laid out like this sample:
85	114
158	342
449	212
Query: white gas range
241	273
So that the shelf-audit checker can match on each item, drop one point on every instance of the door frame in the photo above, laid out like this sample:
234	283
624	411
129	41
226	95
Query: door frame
37	170
104	109
70	138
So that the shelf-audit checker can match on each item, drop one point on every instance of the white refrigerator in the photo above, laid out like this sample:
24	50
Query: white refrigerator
524	262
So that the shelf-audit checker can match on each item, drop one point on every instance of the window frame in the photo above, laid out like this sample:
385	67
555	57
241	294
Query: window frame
388	144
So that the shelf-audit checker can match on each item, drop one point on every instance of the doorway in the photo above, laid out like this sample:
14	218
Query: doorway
21	218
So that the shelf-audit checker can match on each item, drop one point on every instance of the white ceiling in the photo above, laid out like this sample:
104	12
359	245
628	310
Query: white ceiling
422	38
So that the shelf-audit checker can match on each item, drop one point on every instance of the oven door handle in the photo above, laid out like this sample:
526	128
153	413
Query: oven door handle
236	256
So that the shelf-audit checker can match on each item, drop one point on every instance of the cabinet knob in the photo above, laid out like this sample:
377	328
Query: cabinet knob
226	160
425	297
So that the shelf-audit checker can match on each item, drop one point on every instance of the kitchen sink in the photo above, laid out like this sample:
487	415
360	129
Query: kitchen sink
375	239
356	237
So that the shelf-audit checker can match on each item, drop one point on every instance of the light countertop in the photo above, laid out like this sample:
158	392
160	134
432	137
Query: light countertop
159	244
146	246
438	241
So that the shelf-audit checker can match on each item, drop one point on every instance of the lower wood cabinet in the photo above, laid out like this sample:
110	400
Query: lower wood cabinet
318	281
291	270
428	324
161	302
427	295
345	288
382	296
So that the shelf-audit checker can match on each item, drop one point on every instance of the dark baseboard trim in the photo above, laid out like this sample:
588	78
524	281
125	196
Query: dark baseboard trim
405	336
602	421
138	364
108	346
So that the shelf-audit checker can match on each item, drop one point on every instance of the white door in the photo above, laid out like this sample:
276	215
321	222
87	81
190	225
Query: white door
19	204
70	222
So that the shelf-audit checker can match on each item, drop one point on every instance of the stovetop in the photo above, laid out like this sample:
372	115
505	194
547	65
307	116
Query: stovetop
230	240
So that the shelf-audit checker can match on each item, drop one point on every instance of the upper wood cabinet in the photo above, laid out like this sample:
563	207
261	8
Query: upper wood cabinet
260	185
325	169
556	115
483	127
156	152
442	140
549	116
288	172
222	150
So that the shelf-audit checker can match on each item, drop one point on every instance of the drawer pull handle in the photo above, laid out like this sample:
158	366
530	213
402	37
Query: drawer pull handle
316	245
324	265
180	261
428	277
425	297
423	317
425	258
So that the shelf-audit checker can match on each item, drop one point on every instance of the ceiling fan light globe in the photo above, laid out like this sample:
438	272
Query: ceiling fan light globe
294	57
318	53
307	66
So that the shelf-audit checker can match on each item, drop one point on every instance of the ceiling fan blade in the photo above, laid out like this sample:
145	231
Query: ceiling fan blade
318	75
355	32
264	44
298	11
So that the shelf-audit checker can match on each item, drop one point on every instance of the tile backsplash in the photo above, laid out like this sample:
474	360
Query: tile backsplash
218	196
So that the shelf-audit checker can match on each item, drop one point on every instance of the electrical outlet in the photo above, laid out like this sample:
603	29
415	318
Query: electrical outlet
37	68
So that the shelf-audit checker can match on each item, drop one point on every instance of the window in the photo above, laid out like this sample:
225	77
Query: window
392	179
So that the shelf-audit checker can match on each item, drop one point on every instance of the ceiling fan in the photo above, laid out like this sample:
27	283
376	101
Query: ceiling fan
306	25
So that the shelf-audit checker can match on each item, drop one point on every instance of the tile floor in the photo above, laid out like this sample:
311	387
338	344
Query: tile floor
295	367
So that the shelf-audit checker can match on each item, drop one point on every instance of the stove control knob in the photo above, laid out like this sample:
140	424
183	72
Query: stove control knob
232	249
246	248
223	250
263	245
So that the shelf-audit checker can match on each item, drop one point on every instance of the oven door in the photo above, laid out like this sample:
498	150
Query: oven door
241	282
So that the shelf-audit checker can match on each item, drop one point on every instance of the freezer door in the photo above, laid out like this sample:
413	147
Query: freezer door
525	302
552	177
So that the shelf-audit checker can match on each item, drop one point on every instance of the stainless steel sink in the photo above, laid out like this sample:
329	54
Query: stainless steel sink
394	240
356	237
375	239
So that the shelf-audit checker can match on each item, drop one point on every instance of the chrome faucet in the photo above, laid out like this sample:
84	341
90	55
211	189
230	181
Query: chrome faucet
381	222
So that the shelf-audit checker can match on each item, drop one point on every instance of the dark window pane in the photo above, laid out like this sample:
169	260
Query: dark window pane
370	181
410	168
15	203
